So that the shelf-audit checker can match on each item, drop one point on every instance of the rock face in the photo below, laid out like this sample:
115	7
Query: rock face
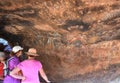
73	37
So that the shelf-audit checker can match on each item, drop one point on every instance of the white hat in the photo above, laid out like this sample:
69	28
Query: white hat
15	49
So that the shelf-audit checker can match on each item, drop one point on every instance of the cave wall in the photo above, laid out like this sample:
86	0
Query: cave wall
73	37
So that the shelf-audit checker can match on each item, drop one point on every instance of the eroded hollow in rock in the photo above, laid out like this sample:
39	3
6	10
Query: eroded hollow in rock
78	40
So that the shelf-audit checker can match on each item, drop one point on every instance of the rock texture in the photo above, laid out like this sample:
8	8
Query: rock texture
73	37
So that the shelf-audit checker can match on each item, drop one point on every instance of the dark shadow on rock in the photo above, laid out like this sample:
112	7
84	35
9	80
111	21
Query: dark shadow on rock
11	19
12	38
75	25
24	11
2	47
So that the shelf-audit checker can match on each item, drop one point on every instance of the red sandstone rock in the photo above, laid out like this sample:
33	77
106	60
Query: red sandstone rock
73	37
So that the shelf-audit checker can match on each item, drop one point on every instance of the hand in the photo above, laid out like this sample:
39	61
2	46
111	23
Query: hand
48	81
1	78
23	78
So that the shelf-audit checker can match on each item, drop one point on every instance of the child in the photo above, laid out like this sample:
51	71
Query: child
2	66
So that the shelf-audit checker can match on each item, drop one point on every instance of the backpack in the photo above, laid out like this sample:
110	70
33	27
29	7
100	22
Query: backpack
6	69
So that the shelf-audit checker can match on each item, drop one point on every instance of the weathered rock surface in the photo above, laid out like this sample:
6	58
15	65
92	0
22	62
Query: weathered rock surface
73	37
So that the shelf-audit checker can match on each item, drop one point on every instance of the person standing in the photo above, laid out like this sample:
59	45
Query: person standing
2	66
12	63
30	69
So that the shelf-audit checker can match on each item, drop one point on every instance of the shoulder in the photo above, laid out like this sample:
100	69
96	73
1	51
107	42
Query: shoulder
12	59
1	64
23	62
38	62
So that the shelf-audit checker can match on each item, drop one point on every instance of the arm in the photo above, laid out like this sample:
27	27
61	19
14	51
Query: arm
1	78
14	74
42	73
